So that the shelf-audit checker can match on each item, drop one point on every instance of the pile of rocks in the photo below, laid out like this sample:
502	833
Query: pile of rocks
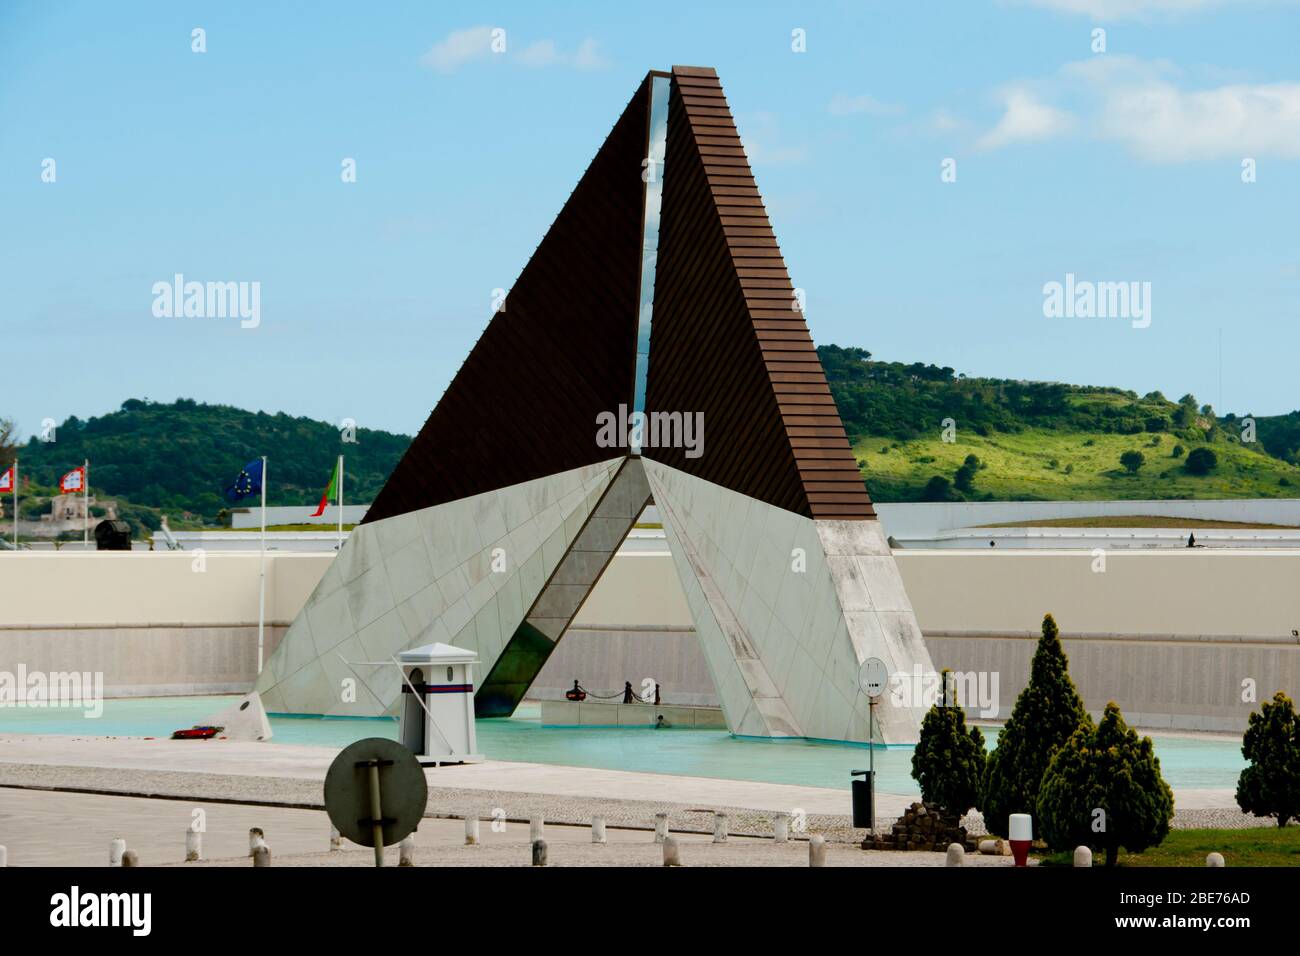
924	826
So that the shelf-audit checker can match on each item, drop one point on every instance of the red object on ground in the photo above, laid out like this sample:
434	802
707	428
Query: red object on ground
197	733
1020	851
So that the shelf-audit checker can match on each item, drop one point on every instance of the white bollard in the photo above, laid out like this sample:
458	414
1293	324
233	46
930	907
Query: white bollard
672	852
781	827
336	839
193	845
1083	856
130	859
661	827
536	829
597	829
406	851
471	831
539	852
1215	860
719	827
955	856
256	838
115	850
817	850
261	855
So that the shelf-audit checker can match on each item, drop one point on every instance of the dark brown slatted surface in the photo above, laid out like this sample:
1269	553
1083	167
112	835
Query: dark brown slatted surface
524	403
725	339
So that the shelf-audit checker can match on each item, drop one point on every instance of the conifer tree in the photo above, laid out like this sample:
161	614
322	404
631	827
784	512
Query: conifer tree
1270	786
948	762
1103	789
1046	713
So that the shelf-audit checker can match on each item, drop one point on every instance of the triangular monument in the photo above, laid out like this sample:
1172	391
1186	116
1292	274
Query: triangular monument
652	349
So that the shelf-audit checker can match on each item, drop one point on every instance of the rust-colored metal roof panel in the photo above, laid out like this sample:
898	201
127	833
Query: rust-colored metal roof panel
726	338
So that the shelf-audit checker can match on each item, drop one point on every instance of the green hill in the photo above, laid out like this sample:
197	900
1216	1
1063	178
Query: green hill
1044	440
179	457
1030	440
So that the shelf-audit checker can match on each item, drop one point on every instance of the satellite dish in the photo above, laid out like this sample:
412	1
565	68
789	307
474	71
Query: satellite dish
873	677
375	793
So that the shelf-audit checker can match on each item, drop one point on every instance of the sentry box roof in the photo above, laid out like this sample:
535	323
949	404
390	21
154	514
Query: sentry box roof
438	654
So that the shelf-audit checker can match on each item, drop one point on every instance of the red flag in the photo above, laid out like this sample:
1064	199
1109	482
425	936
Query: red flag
74	480
7	480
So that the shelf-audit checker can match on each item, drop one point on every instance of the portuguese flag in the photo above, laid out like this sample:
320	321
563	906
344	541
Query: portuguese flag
330	492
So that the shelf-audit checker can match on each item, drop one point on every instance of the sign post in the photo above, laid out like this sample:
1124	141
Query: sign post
873	678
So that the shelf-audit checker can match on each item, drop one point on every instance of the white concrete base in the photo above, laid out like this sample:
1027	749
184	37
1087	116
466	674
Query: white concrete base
462	573
787	609
245	719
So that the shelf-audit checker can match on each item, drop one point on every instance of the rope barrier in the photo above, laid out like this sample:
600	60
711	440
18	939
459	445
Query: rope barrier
636	697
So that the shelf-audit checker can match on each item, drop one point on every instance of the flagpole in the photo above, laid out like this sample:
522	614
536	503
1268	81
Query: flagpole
340	497
15	504
261	596
85	500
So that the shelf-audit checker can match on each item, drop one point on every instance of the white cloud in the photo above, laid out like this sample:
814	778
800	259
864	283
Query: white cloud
1150	109
842	105
465	46
1025	119
458	48
764	144
1126	9
1140	105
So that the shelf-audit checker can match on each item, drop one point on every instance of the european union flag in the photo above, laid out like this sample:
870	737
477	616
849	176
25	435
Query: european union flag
248	483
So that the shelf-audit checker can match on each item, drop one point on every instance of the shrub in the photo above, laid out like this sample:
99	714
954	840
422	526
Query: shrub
964	478
1103	789
948	762
1132	461
1270	786
938	488
1178	452
1201	461
1046	713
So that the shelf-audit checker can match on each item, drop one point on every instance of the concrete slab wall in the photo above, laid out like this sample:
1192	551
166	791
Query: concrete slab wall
1170	635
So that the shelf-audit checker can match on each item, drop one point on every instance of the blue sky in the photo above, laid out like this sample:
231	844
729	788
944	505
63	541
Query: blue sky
225	165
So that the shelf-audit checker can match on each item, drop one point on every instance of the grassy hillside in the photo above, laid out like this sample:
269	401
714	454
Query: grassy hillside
1045	440
1030	440
1019	467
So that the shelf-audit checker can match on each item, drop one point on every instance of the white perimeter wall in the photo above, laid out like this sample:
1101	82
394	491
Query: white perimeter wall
1171	634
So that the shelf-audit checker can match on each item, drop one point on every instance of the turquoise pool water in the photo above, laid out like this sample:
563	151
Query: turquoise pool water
1187	762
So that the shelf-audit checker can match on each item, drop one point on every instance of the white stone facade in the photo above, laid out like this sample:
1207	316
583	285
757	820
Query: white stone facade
787	608
427	577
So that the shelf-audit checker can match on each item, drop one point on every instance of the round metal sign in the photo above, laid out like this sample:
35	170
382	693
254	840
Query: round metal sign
351	782
873	677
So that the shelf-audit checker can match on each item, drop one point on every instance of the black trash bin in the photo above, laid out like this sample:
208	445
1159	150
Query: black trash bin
112	536
863	811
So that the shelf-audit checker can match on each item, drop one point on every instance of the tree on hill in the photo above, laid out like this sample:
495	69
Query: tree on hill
1103	789
1132	461
1201	461
180	456
938	488
964	478
8	442
1270	786
948	762
1046	713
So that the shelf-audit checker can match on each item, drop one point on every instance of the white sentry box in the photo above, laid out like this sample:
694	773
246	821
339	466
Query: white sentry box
442	678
